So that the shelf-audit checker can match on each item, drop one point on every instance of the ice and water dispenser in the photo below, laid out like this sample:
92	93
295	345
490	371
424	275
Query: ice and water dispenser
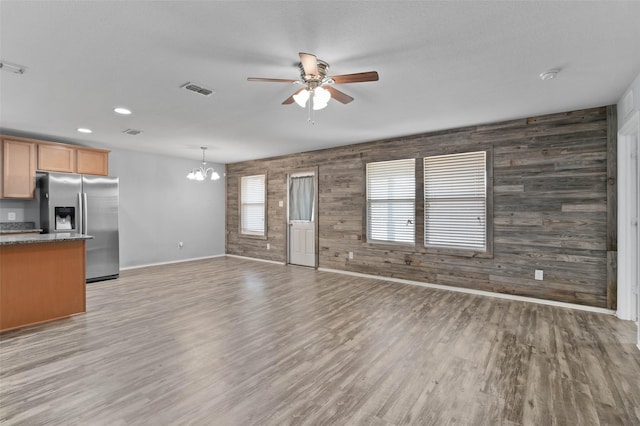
65	218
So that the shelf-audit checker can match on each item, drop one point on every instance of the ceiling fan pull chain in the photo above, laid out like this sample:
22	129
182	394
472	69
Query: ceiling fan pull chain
310	108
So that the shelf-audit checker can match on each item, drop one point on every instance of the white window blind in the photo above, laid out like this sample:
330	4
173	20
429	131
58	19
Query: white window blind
252	204
391	192
455	190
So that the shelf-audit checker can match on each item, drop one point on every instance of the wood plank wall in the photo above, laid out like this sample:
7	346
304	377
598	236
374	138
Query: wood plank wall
552	188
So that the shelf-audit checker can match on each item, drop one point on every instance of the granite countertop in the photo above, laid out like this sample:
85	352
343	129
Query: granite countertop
17	227
41	238
18	231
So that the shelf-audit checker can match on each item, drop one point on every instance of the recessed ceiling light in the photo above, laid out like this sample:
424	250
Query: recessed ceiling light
84	130
549	75
122	111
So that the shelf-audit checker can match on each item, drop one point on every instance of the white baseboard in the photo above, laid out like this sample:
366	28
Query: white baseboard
275	262
170	262
476	292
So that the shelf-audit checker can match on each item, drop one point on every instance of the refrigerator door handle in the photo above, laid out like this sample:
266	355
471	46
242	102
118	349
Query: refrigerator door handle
85	219
80	217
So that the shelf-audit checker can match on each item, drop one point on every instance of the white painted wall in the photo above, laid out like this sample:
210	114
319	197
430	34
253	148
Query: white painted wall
629	102
160	207
629	203
26	211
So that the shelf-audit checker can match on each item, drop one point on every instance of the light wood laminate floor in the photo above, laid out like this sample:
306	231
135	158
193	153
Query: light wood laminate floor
236	342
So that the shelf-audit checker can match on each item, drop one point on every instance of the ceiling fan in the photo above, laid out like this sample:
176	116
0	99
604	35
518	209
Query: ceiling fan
317	84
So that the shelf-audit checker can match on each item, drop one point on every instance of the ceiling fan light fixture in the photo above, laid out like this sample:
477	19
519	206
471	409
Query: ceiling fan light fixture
313	74
321	98
301	97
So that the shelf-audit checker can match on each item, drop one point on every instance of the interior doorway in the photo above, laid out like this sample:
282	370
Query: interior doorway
628	215
302	240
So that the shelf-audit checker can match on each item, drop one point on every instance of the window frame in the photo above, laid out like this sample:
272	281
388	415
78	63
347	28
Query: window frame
242	233
464	251
418	247
366	221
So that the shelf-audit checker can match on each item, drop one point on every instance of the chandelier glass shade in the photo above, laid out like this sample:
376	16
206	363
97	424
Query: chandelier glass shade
203	171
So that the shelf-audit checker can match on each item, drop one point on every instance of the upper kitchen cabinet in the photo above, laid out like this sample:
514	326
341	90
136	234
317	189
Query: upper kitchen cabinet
92	161
21	157
53	157
57	157
18	168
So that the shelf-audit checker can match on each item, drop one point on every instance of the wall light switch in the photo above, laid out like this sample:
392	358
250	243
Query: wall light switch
268	246
11	216
351	255
280	203
539	274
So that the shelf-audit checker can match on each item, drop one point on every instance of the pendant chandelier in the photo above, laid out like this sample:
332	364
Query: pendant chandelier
203	171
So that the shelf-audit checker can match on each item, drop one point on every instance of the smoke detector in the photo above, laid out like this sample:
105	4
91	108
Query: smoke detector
549	75
197	88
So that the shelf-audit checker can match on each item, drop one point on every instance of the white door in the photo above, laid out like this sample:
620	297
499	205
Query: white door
628	216
302	229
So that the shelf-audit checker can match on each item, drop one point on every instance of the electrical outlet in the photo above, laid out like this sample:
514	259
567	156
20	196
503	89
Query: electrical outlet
268	246
11	216
350	255
180	244
539	274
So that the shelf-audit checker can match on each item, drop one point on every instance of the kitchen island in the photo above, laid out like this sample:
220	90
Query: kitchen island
42	277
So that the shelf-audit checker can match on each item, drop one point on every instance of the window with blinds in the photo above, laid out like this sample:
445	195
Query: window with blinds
391	192
252	205
455	191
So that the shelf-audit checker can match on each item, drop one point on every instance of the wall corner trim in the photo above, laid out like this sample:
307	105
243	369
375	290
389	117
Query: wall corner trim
476	292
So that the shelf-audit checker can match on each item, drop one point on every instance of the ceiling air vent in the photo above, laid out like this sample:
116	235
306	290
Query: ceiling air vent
196	88
132	132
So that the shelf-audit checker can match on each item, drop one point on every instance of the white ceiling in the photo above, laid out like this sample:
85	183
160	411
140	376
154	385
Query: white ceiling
441	64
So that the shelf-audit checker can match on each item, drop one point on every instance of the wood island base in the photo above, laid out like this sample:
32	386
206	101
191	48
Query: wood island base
40	282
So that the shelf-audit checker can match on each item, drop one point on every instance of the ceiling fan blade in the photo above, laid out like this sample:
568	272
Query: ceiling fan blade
338	95
290	99
309	63
272	80
355	78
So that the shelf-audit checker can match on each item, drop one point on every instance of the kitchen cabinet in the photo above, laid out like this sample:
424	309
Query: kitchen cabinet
18	168
21	157
41	281
92	161
56	158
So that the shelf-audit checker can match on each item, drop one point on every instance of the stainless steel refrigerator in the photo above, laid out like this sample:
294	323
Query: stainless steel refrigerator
84	204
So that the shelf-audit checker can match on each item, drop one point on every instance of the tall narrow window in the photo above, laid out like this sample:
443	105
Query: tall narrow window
455	188
252	209
391	207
